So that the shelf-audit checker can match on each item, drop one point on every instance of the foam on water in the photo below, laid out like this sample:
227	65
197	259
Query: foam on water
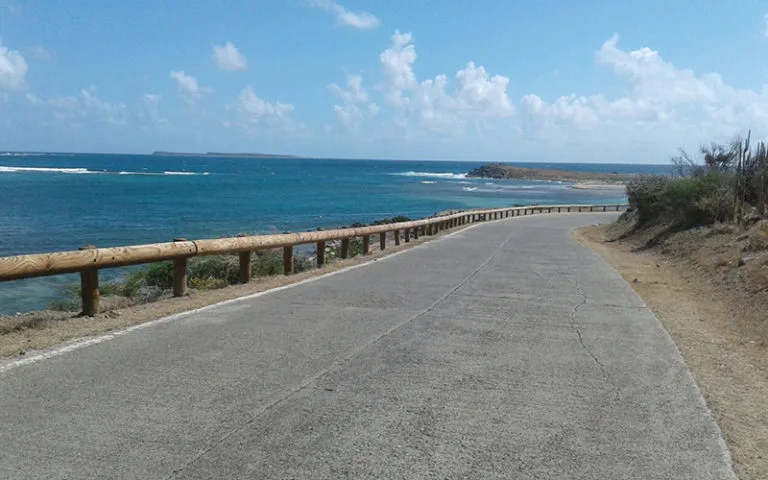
79	170
44	170
432	174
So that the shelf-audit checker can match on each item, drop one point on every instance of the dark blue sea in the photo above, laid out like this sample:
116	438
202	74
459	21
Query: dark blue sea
52	202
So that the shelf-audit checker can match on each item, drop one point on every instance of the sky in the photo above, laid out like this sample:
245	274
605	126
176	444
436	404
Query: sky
492	80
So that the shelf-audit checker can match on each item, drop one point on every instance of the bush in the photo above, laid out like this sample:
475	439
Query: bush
683	202
220	267
158	275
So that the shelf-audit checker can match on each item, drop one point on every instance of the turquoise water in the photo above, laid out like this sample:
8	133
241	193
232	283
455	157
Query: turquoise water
61	202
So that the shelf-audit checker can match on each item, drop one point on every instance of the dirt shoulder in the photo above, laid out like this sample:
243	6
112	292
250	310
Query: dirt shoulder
31	332
715	311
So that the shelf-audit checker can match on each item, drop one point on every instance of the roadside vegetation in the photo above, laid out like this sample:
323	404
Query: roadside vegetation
710	216
728	184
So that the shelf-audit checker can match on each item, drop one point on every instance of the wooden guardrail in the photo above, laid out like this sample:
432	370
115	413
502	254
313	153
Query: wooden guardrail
89	260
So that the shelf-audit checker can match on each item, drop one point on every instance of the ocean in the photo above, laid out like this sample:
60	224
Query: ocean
54	202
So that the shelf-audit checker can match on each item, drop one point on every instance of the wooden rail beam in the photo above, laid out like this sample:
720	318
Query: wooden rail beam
36	265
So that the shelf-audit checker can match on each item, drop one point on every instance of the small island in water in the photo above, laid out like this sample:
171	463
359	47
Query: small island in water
581	180
223	155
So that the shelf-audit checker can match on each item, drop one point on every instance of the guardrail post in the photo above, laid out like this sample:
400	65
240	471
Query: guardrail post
397	237
407	234
416	233
320	254
383	240
288	260
180	273
366	244
245	267
604	207
344	247
89	288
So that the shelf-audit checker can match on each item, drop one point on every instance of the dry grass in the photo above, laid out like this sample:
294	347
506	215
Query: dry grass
714	309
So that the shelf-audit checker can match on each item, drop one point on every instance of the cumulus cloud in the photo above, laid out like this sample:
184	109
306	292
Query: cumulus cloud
358	20
228	57
665	104
765	25
257	116
85	106
397	62
150	109
355	108
13	69
187	85
258	108
478	96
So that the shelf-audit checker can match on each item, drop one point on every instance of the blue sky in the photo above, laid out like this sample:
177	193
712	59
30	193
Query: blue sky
600	81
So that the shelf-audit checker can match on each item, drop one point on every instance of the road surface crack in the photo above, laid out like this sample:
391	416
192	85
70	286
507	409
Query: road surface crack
591	353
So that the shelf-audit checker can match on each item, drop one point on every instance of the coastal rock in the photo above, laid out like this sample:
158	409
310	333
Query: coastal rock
500	171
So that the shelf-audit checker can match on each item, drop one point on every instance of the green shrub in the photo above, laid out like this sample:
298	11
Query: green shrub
221	267
159	275
267	263
683	202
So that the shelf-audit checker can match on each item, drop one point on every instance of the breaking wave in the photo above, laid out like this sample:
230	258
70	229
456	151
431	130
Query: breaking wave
453	176
13	169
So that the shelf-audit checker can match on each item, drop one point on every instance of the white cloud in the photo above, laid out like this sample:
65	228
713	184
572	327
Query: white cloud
257	108
354	93
259	117
188	85
397	62
479	95
228	57
358	20
482	94
32	99
85	106
353	111
150	109
13	69
765	25
665	106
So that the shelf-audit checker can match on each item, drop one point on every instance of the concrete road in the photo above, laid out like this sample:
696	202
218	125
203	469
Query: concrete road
504	351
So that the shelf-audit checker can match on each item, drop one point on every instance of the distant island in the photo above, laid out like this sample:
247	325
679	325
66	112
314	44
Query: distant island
223	155
582	180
